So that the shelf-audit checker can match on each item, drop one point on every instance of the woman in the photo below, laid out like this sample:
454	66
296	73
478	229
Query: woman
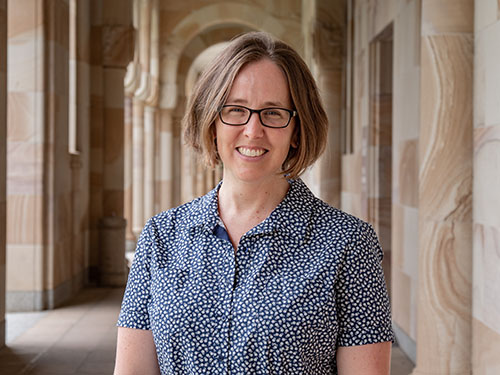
258	276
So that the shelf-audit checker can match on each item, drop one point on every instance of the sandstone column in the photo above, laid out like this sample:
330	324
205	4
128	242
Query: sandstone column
137	167
3	160
129	166
445	188
324	29
149	162
140	96
486	285
39	180
165	151
188	174
117	44
199	177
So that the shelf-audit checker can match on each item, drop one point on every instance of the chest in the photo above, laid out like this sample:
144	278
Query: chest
271	290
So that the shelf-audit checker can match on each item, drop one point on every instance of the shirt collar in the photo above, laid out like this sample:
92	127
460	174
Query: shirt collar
290	217
205	210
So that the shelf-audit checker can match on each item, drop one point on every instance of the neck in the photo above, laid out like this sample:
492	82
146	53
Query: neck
256	199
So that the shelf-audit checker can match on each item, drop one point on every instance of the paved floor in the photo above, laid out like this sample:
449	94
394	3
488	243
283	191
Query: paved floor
81	339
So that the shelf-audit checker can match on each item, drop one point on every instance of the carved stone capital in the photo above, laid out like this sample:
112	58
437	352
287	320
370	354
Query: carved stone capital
117	45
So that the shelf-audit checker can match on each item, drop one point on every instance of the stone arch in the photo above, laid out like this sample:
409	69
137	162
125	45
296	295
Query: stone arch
199	63
213	17
192	174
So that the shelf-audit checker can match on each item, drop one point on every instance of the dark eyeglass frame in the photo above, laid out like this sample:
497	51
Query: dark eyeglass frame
292	114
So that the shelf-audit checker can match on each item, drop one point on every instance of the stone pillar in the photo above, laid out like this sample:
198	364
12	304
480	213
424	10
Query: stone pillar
77	251
329	54
149	162
188	174
112	263
199	177
117	45
486	249
177	160
324	27
138	167
39	170
3	160
140	96
444	340
132	82
165	151
129	166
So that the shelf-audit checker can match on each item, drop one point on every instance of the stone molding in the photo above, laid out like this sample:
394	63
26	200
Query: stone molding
117	45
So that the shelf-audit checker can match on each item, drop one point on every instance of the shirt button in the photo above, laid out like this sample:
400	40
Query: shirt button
221	359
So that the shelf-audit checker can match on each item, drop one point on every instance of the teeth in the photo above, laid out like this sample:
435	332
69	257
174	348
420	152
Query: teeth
250	152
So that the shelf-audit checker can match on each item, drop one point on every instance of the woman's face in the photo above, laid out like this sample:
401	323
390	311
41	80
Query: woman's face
253	152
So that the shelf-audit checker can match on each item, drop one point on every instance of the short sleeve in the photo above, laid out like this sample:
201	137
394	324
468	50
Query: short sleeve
134	309
364	314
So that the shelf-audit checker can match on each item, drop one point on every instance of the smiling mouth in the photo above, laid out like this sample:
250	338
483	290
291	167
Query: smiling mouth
251	151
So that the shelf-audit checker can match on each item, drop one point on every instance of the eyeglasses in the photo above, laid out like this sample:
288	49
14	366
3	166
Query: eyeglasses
237	115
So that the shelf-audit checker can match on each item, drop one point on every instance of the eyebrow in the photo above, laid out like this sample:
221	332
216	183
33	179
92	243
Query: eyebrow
243	101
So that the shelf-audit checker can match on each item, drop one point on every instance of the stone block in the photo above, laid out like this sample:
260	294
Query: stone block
25	17
117	45
487	176
24	268
491	63
25	63
485	14
486	282
401	293
406	94
445	143
408	173
25	224
485	349
445	297
112	251
447	16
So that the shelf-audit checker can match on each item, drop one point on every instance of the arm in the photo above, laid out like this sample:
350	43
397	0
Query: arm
135	348
364	342
135	352
371	359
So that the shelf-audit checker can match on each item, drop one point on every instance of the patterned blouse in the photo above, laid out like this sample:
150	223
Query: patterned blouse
305	281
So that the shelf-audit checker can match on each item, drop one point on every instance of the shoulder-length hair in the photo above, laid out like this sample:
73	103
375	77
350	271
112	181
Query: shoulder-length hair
212	89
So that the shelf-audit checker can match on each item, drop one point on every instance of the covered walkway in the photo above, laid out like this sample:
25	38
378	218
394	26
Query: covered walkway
79	338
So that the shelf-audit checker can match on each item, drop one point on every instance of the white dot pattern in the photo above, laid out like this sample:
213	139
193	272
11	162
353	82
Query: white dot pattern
303	282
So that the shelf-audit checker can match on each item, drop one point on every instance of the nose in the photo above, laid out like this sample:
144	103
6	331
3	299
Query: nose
253	128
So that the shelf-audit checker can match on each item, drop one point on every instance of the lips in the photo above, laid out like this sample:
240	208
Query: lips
251	152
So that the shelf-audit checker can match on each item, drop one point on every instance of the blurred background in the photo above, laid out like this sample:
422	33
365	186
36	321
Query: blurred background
92	93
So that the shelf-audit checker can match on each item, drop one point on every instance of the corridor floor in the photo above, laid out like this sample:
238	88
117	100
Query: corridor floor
81	339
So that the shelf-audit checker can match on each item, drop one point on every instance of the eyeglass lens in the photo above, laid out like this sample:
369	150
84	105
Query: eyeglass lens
274	117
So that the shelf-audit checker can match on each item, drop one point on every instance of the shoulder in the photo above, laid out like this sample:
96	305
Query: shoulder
170	231
323	215
178	219
331	225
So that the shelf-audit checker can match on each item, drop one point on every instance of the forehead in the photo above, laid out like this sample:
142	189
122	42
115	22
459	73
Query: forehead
260	81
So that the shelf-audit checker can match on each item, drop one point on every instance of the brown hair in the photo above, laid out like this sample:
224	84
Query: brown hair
214	85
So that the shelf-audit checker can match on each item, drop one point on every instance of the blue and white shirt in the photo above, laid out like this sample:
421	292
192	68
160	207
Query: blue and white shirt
303	282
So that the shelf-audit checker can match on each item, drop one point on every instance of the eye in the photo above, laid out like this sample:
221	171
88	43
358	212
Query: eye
273	112
236	110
